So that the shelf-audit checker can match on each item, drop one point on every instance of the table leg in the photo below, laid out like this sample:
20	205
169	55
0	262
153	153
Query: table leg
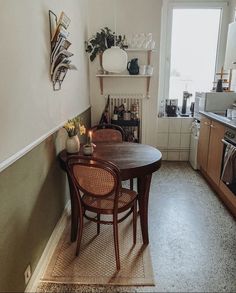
143	197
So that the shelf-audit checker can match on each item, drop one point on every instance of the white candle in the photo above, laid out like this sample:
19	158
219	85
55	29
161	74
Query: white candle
90	136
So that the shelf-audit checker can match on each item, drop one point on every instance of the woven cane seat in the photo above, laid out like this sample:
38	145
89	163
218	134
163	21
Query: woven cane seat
126	197
94	180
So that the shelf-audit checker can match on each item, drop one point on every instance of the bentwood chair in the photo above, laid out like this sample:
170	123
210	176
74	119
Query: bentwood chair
109	133
98	188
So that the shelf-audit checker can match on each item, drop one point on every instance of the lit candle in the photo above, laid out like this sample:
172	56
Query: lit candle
90	136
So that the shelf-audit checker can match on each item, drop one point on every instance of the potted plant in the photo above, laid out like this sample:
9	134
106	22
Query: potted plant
103	40
74	127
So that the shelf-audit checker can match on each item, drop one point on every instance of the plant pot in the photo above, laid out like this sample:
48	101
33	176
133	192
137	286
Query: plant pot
88	149
72	144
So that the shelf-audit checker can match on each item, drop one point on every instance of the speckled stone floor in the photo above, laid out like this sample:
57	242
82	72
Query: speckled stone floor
192	237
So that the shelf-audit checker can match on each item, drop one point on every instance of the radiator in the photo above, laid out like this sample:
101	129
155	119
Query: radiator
129	100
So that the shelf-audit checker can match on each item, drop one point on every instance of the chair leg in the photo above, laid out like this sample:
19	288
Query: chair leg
98	224
131	184
80	230
135	222
116	242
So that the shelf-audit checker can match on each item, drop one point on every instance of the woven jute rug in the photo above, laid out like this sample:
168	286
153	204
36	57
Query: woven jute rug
96	264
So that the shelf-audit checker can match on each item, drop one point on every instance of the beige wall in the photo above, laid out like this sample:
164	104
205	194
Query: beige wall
132	16
25	87
33	190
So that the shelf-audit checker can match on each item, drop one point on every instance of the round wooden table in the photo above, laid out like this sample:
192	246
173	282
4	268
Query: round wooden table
134	161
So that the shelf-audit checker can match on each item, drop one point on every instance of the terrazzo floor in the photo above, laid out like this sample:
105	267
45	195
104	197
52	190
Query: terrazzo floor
192	237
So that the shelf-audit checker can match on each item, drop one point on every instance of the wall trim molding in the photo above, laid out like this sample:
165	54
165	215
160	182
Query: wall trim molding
49	249
6	163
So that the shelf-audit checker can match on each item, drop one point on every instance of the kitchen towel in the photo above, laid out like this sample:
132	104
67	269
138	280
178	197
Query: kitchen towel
229	166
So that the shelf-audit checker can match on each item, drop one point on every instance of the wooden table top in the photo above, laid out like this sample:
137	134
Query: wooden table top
133	159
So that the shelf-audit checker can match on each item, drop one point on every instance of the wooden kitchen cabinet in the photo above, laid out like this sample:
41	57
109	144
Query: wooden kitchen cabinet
210	148
215	151
210	156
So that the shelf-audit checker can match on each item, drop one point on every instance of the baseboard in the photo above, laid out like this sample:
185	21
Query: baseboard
48	251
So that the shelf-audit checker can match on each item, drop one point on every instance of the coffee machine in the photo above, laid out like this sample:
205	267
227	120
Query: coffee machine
171	107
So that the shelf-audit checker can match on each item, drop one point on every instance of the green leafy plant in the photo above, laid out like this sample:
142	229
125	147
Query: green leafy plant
102	41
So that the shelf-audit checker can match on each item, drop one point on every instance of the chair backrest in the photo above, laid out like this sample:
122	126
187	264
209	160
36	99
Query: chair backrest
107	133
94	177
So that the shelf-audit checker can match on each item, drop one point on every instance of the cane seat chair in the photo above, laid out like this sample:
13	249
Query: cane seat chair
98	188
109	133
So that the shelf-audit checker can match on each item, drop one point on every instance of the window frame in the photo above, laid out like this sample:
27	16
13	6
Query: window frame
166	34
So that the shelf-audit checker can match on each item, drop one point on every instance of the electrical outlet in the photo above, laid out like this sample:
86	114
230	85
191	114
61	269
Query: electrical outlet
27	274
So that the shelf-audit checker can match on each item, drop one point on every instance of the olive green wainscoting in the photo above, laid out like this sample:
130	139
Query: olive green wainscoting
33	195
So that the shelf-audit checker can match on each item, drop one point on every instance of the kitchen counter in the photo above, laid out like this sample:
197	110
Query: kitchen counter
229	122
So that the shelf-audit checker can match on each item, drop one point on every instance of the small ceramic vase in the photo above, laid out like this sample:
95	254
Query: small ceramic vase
72	144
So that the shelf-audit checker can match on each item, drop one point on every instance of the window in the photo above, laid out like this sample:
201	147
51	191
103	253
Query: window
192	49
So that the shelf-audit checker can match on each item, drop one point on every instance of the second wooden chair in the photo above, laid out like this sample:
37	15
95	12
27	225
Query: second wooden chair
109	133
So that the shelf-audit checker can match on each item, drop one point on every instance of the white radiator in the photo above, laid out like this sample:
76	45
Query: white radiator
129	99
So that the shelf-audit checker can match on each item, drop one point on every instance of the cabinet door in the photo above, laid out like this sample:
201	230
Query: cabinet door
215	151
203	143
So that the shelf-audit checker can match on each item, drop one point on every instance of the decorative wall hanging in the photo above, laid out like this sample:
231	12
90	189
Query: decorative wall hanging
59	60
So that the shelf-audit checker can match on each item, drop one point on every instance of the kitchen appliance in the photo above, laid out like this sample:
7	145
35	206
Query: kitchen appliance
171	107
186	96
213	102
229	139
192	109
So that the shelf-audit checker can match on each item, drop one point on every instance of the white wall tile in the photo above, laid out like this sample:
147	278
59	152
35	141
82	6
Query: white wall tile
175	125
184	156
164	156
174	141
185	140
173	156
162	140
186	124
163	124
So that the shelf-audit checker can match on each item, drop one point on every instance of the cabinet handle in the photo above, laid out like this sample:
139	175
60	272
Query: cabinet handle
206	123
212	126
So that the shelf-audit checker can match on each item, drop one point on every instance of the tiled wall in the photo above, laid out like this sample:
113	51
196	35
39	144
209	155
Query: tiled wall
173	137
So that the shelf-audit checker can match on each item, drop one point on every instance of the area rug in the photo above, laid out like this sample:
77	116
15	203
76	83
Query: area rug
95	264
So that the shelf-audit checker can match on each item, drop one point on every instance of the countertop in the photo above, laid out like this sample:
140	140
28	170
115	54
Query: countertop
229	122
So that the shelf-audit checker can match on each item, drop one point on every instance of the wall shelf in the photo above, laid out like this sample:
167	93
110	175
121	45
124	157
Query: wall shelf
101	76
123	75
